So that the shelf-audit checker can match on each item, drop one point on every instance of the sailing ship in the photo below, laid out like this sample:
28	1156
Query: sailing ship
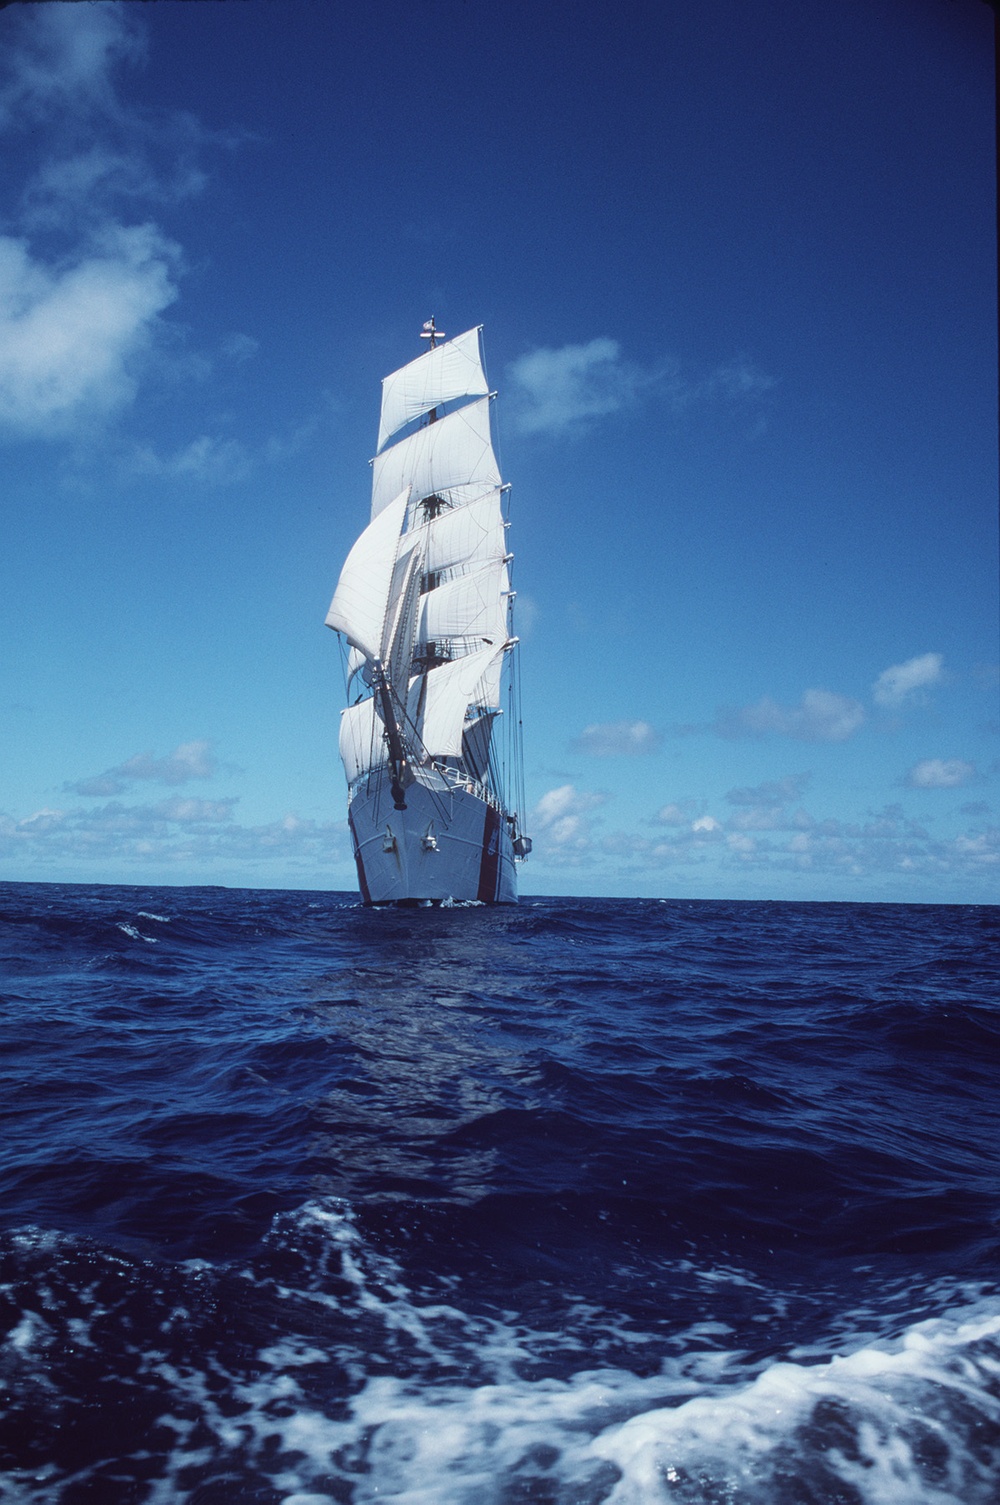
424	606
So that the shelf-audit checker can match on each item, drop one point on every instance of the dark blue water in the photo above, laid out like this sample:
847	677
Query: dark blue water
584	1201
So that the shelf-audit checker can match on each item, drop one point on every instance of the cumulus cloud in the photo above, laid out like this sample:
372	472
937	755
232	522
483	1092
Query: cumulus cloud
190	760
902	682
618	739
820	716
679	813
568	388
71	336
85	275
560	815
940	773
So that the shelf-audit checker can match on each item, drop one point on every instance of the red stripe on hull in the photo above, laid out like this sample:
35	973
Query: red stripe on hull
489	867
366	897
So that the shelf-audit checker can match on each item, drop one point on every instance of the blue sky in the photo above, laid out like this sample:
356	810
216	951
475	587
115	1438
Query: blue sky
736	268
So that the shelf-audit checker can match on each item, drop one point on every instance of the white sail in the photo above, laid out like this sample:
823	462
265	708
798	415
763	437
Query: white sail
469	535
487	689
470	606
360	602
456	451
361	742
438	700
450	371
356	664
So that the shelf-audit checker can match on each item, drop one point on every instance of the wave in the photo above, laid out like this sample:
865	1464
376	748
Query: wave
317	1374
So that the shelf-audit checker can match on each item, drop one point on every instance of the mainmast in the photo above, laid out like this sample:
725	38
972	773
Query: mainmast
432	504
432	333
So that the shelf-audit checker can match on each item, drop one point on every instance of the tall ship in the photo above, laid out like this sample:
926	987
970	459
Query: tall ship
431	735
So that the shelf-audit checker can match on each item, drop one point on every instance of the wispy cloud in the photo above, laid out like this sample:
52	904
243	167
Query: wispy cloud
612	739
820	716
941	773
569	388
210	460
903	682
190	760
561	389
60	63
773	792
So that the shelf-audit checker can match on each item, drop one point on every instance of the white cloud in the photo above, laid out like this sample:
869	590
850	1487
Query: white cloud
764	807
70	335
559	816
736	379
240	347
177	834
85	276
900	682
940	773
885	844
190	760
60	58
618	739
75	321
774	792
679	813
560	389
187	811
820	716
211	461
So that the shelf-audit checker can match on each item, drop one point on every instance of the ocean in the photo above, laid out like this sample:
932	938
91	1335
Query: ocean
583	1201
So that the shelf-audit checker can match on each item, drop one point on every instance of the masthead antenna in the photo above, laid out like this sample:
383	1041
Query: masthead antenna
430	332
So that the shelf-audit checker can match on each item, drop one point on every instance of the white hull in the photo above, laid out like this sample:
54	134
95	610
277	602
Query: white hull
449	843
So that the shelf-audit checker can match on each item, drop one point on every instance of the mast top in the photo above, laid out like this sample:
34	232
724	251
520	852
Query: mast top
430	332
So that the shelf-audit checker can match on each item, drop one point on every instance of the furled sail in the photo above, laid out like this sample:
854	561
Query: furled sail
401	624
361	600
454	452
448	372
476	737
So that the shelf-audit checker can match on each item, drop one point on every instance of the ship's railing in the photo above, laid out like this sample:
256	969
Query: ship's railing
456	779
